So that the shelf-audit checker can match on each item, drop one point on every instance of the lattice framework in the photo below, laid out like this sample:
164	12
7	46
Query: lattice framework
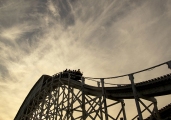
58	100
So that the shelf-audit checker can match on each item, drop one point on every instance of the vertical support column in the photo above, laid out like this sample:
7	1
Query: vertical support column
62	90
131	78
123	110
101	114
57	101
169	64
83	100
104	99
62	105
68	98
53	94
72	91
156	110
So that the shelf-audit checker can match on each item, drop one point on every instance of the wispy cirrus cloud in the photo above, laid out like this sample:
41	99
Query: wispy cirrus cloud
103	38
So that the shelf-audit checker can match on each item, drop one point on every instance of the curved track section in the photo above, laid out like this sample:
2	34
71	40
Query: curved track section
165	113
155	87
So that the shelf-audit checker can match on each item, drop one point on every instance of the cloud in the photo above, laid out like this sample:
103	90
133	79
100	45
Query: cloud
4	71
103	38
52	8
15	32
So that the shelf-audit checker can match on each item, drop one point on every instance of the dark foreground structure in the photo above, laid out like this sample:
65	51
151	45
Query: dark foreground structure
65	96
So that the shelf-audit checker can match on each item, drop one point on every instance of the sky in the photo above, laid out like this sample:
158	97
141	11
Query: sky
101	37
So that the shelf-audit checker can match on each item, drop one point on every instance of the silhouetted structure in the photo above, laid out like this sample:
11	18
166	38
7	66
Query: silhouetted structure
62	97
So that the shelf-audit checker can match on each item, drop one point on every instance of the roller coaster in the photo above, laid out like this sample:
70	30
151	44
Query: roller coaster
65	96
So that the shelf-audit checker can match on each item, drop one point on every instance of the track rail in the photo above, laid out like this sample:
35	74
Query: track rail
165	113
151	88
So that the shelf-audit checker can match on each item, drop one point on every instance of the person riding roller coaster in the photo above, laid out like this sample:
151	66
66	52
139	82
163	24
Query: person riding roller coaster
74	74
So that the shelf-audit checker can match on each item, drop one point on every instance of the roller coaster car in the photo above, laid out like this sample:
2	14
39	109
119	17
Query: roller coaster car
74	75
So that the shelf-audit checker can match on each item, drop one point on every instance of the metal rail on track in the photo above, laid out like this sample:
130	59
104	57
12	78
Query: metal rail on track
168	63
